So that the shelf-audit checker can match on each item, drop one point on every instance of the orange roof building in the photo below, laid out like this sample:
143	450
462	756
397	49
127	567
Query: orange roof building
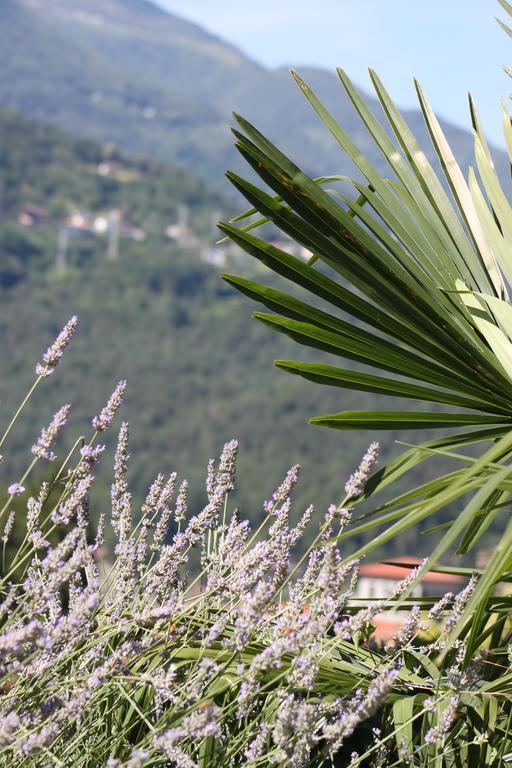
379	581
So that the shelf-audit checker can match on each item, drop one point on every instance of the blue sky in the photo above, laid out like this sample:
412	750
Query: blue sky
452	46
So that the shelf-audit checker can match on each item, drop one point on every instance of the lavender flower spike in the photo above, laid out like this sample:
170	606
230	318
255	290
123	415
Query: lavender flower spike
53	354
9	524
437	732
48	436
104	420
16	489
356	482
227	465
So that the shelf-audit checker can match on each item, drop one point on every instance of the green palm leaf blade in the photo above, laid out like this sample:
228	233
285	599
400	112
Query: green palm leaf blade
493	189
507	128
506	5
418	178
499	245
366	382
508	8
474	476
409	303
460	190
382	355
488	327
412	457
295	270
404	420
475	617
343	239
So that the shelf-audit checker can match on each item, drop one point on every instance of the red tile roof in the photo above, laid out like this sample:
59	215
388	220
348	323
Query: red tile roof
398	572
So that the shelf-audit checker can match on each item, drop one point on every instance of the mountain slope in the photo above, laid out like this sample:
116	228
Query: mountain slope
198	367
127	72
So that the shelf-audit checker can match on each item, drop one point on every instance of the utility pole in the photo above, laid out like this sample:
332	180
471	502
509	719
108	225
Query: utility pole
62	248
183	225
114	218
183	216
214	230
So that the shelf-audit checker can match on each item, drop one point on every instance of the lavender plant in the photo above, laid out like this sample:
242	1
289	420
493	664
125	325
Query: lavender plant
197	641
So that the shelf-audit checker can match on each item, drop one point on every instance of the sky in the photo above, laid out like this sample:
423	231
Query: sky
451	46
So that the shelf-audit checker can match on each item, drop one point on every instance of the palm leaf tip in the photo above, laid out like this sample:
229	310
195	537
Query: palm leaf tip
403	420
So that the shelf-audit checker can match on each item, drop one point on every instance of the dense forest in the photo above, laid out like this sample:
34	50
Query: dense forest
199	369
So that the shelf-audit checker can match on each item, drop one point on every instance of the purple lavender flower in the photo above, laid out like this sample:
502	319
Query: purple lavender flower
75	503
335	513
35	742
359	708
137	759
9	724
258	747
283	492
412	624
304	669
163	512
90	456
102	422
120	496
227	465
9	524
8	601
16	489
294	731
42	449
440	730
177	756
163	682
53	354
201	724
356	482
211	478
460	602
180	512
20	640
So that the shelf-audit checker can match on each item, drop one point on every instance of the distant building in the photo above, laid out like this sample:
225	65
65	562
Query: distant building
100	225
107	168
33	216
132	233
182	235
379	581
213	255
79	224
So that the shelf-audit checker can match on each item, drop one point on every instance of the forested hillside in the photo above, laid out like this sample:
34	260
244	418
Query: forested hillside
197	365
124	71
199	369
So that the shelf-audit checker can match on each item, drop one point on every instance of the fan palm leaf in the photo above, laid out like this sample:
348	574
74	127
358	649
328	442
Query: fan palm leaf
413	260
407	276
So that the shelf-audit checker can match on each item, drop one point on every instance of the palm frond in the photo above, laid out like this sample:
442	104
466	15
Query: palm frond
407	280
418	266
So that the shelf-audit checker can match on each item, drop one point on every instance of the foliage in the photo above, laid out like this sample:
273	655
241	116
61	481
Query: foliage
239	658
